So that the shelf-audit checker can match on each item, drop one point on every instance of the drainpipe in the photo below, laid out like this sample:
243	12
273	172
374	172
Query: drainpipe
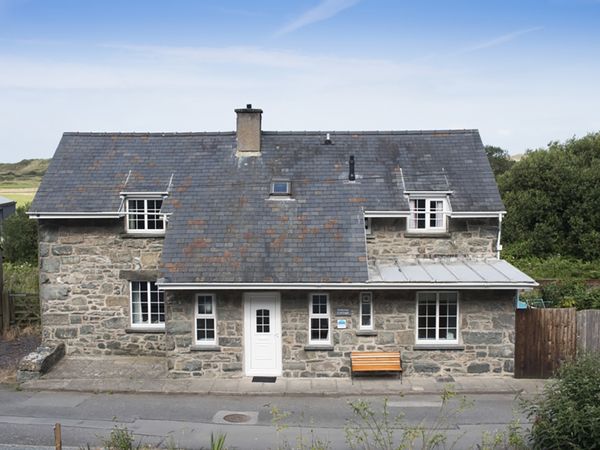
498	244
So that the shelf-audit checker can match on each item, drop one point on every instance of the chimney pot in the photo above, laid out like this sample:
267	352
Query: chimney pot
248	130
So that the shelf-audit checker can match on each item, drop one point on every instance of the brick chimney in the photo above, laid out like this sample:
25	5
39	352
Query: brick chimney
248	129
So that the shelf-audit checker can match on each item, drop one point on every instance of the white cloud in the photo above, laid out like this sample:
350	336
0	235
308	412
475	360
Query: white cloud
497	41
162	88
324	10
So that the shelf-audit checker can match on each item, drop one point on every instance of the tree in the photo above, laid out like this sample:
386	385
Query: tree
552	198
499	159
20	237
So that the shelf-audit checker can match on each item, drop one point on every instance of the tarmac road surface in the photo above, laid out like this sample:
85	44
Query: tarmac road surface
187	420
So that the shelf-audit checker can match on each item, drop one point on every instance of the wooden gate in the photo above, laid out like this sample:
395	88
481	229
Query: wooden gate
544	338
19	309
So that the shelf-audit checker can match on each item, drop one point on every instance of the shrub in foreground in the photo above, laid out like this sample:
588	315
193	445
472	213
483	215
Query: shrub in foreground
567	414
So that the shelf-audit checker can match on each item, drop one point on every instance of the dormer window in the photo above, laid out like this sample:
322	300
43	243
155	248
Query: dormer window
144	216
281	188
427	215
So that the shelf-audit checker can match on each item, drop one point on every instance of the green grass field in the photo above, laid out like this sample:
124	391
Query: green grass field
20	181
22	198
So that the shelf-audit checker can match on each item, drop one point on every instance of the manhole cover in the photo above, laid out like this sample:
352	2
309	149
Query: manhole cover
237	418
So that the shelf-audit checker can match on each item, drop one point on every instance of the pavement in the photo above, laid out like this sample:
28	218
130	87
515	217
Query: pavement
149	375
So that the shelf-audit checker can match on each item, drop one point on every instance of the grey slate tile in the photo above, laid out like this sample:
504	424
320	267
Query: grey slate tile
223	226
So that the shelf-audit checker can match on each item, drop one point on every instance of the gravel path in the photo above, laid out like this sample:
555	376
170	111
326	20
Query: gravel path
12	351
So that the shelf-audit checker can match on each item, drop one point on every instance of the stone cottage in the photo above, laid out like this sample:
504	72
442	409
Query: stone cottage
252	252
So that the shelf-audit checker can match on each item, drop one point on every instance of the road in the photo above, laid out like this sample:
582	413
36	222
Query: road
27	418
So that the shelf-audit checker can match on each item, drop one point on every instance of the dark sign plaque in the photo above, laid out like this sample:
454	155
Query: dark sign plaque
343	312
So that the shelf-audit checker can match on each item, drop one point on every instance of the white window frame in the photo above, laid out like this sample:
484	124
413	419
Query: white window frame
411	223
312	315
437	340
213	316
161	297
145	213
365	296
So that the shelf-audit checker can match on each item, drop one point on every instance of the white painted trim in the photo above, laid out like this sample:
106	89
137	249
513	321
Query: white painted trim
145	214
142	195
215	340
248	336
360	312
428	194
342	286
384	214
456	214
144	324
75	215
427	212
437	341
312	341
476	214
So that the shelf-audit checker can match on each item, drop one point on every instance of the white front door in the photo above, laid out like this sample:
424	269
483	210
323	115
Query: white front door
262	333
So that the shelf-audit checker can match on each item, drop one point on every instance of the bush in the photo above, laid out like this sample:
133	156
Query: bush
551	197
21	277
557	267
567	414
20	237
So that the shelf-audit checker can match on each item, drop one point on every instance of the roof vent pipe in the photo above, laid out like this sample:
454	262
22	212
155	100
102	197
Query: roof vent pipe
351	176
328	140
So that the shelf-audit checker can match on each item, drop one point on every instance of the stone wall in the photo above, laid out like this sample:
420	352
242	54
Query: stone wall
486	336
486	330
83	290
185	358
465	237
85	268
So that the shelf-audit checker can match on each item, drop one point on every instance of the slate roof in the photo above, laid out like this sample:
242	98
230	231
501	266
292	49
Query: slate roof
225	228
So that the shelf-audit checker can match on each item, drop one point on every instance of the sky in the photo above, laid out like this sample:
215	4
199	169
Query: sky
522	72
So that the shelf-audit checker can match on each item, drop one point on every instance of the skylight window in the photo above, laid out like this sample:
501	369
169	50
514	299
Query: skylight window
281	187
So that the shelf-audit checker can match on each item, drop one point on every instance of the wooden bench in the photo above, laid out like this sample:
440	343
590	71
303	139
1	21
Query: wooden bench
376	362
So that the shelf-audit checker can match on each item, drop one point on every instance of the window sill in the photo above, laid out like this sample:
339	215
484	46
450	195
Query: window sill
141	235
205	348
280	198
318	348
457	347
431	234
366	333
144	330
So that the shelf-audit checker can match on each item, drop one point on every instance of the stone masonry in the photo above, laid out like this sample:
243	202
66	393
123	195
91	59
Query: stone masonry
486	330
85	269
466	238
86	266
187	359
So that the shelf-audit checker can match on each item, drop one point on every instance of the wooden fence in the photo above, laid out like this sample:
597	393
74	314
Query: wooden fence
19	309
545	338
588	331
